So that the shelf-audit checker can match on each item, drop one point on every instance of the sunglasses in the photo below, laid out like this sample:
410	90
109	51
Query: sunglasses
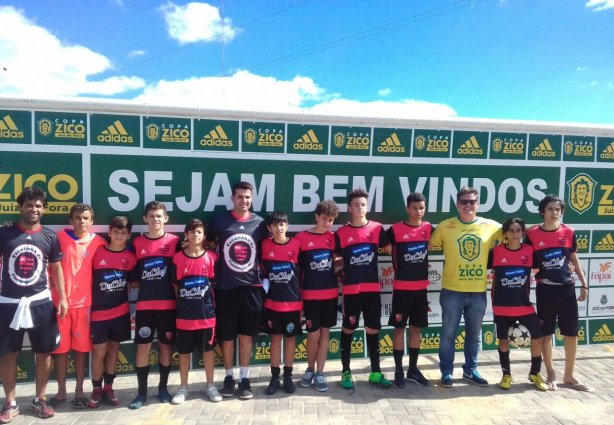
468	201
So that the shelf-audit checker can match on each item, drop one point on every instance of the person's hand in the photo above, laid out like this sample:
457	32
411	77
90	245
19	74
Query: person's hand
62	308
583	293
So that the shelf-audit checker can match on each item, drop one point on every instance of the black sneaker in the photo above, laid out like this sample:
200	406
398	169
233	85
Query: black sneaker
289	385
228	389
245	390
414	375
399	379
272	387
476	378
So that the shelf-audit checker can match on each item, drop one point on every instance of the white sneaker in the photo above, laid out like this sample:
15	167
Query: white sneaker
213	394
182	394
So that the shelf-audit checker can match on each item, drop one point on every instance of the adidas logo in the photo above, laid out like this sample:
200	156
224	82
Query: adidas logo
122	364
242	227
8	128
459	343
541	243
386	346
608	152
143	251
102	263
310	244
216	138
405	236
605	244
544	150
308	142
28	238
350	239
301	350
115	133
392	144
272	255
504	260
470	147
604	334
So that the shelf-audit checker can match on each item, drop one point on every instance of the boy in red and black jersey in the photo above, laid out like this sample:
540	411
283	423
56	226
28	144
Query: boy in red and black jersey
511	263
357	243
283	305
156	303
409	296
193	274
320	291
110	316
555	247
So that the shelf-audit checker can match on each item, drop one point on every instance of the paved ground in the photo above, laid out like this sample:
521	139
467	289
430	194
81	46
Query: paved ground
465	403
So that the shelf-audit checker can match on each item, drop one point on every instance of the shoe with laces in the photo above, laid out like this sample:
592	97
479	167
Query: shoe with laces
476	378
42	409
307	378
539	382
506	382
213	394
180	397
446	380
414	375
95	398
8	413
109	397
245	389
378	378
138	402
274	384
346	380
288	385
163	395
399	379
320	382
228	388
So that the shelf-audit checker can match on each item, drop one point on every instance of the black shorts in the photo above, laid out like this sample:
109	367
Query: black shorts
202	340
531	322
116	329
320	314
557	302
147	322
367	303
409	307
239	312
44	336
287	323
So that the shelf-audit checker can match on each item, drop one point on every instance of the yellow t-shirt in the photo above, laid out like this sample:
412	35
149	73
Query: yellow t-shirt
465	250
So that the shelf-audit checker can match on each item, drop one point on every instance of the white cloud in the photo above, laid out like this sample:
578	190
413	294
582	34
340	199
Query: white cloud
195	22
592	83
384	92
407	108
136	53
582	68
39	65
599	5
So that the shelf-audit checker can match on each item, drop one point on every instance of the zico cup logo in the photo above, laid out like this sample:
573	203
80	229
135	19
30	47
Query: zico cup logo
152	131
579	148
430	341
45	126
266	137
61	187
9	130
249	135
65	128
435	143
358	141
469	247
581	192
334	345
168	133
116	133
509	145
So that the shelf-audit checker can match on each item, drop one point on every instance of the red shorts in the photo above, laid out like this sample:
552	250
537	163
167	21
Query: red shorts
75	331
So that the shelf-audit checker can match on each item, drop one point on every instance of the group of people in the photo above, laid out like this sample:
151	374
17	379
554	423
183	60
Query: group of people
227	281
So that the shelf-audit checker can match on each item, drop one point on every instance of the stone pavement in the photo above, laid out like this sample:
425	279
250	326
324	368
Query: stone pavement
465	403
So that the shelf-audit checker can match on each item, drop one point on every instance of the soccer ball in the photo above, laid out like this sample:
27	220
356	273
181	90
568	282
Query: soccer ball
519	336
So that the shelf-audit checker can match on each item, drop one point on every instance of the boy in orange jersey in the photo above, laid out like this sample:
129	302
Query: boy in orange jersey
78	246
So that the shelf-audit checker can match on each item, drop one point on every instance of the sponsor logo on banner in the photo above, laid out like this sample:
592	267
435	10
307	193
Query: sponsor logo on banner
606	150
262	352
559	339
264	137
167	133
115	133
216	135
581	192
308	139
386	345
430	339
123	365
601	272
579	148
470	147
391	144
351	140
601	331
459	341
508	146
603	242
600	301
300	352
582	240
216	138
56	128
432	143
386	276
470	144
309	142
543	150
10	131
357	347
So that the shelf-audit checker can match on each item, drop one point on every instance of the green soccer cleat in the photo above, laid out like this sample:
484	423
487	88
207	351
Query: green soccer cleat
378	378
346	380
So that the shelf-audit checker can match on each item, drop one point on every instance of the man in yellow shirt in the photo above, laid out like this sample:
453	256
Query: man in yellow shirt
465	240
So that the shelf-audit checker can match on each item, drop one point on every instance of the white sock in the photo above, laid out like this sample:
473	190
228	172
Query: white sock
244	372
229	372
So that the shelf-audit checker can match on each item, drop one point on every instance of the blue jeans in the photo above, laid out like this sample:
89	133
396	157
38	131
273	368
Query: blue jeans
471	305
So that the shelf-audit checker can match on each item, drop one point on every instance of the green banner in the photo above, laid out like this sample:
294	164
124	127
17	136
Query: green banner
386	342
391	142
261	354
60	128
334	345
300	352
218	358
58	174
25	367
70	367
432	143
545	147
167	133
115	130
15	127
470	144
459	341
589	194
350	140
602	242
265	137
126	359
600	331
430	339
216	135
508	145
489	337
583	239
197	187
579	148
605	149
559	340
308	139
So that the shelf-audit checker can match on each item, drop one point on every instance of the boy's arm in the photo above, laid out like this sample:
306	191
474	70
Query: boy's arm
435	242
573	258
57	275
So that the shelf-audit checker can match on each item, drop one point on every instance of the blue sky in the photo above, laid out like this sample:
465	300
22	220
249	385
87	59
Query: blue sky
502	59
